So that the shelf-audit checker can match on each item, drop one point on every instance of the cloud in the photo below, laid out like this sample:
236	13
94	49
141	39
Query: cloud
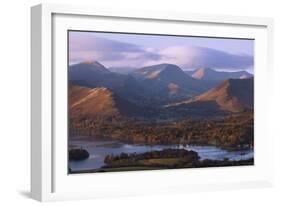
87	47
194	57
114	53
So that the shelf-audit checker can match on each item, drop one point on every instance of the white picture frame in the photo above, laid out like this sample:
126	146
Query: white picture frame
49	178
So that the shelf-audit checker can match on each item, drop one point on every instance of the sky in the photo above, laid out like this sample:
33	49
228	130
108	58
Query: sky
139	50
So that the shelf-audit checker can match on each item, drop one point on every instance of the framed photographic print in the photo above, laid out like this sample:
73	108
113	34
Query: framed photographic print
133	102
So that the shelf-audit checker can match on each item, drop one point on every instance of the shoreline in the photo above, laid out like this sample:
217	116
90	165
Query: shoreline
92	138
161	159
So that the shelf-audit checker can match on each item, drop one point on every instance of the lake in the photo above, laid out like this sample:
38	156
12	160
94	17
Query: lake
98	149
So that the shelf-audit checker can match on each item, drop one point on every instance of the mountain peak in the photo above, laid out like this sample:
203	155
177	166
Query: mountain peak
93	62
88	67
166	66
155	71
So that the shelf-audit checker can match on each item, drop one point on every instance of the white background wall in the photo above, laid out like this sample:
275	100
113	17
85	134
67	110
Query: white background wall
15	95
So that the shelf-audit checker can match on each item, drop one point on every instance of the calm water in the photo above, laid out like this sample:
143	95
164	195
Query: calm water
99	149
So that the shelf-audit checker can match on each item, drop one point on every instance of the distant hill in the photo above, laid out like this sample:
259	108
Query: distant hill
122	70
100	103
234	95
210	74
168	80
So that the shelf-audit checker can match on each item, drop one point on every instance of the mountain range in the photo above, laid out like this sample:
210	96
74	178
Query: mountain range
96	91
159	83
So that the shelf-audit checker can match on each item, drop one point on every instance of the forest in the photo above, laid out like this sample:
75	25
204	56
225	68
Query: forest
232	132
